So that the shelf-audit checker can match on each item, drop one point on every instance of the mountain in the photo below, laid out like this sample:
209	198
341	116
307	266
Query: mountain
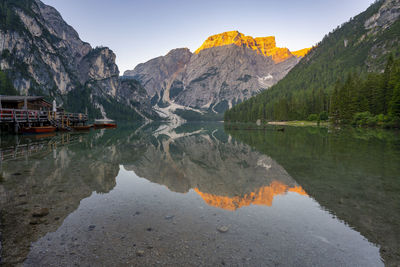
227	69
358	48
42	55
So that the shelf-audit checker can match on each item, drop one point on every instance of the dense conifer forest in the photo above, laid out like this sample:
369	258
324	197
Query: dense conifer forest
372	100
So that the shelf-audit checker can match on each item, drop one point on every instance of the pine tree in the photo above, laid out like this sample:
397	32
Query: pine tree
394	106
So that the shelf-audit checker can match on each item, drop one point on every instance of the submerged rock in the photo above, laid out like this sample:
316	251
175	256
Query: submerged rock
223	229
41	212
36	221
140	252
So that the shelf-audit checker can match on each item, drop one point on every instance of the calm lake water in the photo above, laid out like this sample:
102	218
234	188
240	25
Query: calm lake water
201	195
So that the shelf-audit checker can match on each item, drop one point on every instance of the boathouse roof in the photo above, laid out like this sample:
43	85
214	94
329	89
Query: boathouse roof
12	98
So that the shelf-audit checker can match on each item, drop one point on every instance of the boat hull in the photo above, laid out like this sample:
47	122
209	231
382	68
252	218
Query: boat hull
105	125
43	129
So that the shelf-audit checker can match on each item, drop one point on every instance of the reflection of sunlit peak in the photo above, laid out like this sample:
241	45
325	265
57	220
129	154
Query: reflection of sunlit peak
263	196
299	190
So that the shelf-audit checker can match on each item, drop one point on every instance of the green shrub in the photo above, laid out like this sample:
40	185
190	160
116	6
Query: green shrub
313	117
361	118
323	116
391	122
372	121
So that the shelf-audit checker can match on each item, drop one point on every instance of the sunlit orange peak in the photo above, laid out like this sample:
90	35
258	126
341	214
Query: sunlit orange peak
264	196
263	45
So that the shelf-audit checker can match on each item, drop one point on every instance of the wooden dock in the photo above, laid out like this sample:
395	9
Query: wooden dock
14	120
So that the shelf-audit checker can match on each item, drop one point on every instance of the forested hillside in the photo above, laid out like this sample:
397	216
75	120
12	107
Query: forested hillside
370	101
359	49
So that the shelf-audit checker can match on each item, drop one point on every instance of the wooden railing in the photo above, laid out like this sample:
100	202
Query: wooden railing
23	115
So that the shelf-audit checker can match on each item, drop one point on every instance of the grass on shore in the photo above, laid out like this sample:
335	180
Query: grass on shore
255	126
300	123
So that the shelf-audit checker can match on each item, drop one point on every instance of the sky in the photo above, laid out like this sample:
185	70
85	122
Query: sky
138	31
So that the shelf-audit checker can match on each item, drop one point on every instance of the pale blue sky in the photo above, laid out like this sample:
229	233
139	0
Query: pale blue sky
141	30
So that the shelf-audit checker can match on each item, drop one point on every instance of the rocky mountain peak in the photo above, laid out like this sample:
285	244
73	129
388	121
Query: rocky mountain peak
226	38
228	68
262	45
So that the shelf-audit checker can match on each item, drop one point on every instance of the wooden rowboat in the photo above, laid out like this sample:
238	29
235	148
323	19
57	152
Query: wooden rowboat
40	129
104	123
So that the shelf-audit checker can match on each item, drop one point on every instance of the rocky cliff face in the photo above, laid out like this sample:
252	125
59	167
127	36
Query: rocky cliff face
262	45
388	13
157	71
42	54
227	69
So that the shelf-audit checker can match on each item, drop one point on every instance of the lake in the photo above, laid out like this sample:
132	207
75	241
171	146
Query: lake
201	195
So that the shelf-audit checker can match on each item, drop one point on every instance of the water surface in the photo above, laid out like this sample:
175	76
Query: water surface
199	195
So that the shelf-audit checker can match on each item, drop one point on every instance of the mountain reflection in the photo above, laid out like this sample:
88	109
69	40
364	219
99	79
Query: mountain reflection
345	175
56	172
225	173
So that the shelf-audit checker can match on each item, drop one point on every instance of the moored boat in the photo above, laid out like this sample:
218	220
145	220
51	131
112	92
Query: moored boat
39	129
104	123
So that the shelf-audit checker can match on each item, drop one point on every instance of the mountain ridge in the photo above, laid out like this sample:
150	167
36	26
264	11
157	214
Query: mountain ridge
225	71
263	45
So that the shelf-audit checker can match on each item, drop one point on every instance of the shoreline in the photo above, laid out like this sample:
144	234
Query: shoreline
298	123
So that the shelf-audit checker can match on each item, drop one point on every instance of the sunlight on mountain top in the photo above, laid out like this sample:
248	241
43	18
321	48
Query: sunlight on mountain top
263	45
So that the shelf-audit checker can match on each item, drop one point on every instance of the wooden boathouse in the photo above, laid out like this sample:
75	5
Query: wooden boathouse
19	112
